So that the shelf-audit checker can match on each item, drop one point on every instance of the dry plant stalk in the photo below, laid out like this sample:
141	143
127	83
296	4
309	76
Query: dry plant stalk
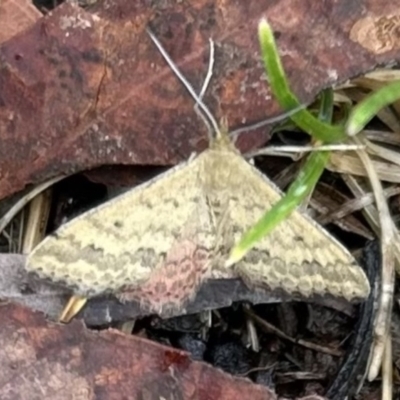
382	323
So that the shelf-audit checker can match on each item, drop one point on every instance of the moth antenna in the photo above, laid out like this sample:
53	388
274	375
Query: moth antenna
207	116
204	88
268	121
186	83
209	69
202	116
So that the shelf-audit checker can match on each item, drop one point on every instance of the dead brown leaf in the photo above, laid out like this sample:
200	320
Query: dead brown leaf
85	88
44	360
15	16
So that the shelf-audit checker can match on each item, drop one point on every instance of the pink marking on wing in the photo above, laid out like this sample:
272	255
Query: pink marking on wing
173	282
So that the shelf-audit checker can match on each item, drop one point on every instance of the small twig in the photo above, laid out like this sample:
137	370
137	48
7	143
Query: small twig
392	138
21	231
9	240
383	315
38	214
383	152
23	201
252	332
355	205
387	371
371	214
301	375
271	328
257	369
275	150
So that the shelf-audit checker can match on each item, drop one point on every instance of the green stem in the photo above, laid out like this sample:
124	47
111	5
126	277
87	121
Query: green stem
364	111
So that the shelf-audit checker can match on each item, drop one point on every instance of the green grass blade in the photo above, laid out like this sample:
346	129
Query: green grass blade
280	89
363	112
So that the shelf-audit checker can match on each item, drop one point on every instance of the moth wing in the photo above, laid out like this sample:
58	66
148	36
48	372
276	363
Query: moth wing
175	281
298	256
123	241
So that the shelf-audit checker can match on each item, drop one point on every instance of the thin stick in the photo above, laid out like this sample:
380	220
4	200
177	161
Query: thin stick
355	205
383	315
371	213
38	215
387	371
272	150
271	328
21	203
251	331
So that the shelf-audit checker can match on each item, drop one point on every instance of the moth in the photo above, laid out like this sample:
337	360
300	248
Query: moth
158	242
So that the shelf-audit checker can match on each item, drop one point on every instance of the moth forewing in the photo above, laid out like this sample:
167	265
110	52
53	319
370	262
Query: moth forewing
298	256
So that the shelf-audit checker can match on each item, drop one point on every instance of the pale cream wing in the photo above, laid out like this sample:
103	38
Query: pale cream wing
128	239
299	256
